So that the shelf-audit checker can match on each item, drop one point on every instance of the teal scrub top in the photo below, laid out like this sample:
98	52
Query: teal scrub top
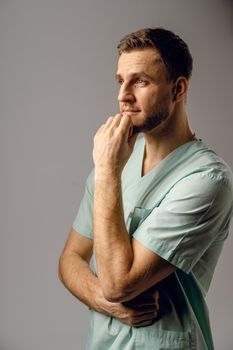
181	210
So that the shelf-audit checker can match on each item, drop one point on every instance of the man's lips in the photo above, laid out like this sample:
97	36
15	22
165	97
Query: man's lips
130	111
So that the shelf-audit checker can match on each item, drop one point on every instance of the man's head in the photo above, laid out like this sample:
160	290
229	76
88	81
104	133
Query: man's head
154	68
173	50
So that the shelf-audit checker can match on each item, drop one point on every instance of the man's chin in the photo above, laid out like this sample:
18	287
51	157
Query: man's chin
136	129
140	128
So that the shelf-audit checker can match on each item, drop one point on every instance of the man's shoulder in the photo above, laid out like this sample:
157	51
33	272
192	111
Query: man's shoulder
206	161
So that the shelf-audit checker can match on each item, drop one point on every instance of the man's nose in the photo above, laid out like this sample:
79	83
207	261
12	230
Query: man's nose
125	94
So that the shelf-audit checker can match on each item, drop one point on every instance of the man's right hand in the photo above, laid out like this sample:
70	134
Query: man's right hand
138	312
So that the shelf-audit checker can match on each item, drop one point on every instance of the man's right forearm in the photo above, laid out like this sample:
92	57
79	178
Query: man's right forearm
78	278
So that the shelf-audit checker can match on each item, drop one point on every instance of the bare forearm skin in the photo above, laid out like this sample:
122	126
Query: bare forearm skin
112	245
77	276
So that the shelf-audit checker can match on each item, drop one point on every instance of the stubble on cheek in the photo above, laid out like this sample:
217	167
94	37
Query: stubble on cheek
157	115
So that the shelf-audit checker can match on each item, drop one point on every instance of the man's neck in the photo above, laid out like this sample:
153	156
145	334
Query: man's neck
159	144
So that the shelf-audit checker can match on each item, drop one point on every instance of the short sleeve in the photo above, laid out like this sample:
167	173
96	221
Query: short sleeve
83	221
194	213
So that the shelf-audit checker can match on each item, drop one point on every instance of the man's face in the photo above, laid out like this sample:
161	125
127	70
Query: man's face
145	94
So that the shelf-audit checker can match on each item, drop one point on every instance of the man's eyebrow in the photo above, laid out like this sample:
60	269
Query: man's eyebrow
136	74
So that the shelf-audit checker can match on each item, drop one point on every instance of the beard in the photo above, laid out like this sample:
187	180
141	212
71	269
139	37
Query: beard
156	116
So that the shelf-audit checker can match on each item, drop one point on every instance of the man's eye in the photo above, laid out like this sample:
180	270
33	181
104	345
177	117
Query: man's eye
120	81
141	82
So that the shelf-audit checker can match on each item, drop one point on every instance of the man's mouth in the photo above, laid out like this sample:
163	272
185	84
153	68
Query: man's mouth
130	112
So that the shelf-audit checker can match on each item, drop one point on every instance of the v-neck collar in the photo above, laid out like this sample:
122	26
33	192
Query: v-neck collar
164	160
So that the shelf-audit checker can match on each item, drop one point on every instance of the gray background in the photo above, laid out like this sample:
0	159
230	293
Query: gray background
57	66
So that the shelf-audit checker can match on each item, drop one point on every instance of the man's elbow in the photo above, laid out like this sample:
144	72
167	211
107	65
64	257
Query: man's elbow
111	291
113	296
115	293
60	268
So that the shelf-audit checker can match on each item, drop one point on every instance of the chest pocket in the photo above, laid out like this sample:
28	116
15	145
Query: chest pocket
137	216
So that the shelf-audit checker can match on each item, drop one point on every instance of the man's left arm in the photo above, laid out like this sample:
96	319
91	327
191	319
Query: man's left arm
125	267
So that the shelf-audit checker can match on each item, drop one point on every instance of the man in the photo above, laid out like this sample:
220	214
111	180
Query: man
155	212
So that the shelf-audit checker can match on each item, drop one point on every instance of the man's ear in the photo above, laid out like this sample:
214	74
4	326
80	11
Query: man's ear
179	89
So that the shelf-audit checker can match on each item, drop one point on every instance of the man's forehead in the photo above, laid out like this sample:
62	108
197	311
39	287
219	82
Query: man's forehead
140	59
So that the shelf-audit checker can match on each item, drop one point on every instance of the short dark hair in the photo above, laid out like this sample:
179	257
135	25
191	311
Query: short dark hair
173	50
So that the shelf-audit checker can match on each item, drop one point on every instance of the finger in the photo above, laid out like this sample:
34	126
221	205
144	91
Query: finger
145	323
146	314
141	322
100	129
109	121
144	310
142	300
136	321
141	303
126	122
127	126
156	296
116	121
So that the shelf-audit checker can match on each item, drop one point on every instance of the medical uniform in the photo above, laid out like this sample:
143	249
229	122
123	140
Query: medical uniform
181	210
